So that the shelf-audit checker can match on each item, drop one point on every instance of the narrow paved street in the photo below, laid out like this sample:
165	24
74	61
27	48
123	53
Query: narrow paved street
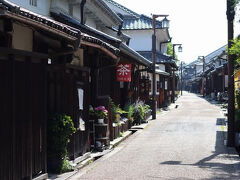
185	143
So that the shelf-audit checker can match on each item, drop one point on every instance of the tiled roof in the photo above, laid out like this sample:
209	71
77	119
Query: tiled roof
112	14
13	11
123	8
142	22
135	55
85	29
160	58
89	34
94	40
212	55
133	20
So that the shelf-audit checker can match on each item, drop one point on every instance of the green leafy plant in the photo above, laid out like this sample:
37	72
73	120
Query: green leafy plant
138	112
129	109
66	166
146	108
237	99
116	111
237	120
235	50
170	50
101	112
113	109
121	134
59	130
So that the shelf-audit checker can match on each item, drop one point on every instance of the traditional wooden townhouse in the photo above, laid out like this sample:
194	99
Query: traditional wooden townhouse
188	72
29	43
209	76
140	29
216	73
192	75
67	53
99	21
98	53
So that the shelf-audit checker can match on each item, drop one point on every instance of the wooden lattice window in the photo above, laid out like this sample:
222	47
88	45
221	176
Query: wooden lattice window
33	2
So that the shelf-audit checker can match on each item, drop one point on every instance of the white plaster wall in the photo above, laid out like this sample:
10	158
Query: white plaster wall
90	22
22	38
42	6
164	48
60	5
157	45
111	32
77	12
151	79
140	40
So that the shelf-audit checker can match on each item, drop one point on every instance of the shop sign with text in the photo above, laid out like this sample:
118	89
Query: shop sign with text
123	72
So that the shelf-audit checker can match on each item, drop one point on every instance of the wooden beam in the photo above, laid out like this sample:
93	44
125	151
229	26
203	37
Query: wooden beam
100	47
11	51
62	53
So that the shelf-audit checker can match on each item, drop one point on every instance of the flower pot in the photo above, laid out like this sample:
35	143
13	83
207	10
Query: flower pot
100	121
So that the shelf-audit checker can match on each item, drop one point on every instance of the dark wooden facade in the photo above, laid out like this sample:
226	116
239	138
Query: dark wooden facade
215	81
63	84
23	109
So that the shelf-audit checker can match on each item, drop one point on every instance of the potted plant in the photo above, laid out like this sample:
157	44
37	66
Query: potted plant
138	112
101	113
60	128
129	114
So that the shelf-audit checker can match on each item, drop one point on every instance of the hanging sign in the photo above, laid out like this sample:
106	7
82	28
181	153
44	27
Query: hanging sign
80	98
123	72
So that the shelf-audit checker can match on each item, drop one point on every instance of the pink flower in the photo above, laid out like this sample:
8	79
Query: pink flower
100	108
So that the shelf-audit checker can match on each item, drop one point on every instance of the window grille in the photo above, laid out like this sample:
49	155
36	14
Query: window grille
33	2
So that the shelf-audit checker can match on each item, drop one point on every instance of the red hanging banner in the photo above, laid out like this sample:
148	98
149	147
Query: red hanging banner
124	72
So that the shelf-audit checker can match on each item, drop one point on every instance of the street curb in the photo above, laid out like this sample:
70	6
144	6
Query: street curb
117	141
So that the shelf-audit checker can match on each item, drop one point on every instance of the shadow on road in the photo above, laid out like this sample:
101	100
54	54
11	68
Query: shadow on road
223	162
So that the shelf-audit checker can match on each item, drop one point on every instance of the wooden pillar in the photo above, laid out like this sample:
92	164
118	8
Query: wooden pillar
45	89
12	88
28	108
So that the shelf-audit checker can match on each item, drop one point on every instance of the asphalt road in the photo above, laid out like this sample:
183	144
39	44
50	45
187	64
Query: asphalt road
184	143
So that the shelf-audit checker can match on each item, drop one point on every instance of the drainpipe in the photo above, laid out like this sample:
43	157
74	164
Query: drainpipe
82	9
120	29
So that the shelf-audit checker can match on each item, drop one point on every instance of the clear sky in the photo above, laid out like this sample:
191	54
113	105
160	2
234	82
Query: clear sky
200	25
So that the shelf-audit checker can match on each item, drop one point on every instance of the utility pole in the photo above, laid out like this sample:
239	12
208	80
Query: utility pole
173	78
173	70
154	67
181	79
203	79
231	124
202	58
